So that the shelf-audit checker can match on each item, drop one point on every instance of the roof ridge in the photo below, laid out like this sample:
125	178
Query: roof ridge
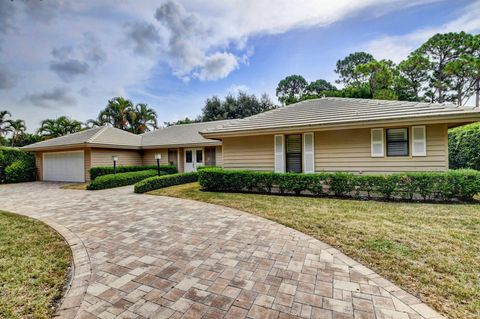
94	136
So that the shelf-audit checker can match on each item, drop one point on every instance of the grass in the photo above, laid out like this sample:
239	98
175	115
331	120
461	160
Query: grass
34	265
76	186
431	250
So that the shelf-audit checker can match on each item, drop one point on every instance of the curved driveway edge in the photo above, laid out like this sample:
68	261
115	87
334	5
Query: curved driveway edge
159	257
81	272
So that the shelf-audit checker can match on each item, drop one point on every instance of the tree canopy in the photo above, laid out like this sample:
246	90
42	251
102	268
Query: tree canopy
291	89
63	125
235	107
121	113
347	66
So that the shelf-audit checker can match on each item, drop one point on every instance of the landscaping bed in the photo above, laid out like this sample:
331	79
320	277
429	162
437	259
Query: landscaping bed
455	185
108	170
157	182
431	250
121	179
34	266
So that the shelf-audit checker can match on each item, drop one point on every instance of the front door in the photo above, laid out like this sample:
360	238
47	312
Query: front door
193	159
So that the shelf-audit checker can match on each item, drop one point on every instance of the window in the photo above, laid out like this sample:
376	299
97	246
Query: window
199	156
294	153
397	142
210	154
188	156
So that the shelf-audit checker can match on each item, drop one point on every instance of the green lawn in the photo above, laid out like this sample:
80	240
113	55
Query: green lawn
431	250
34	265
75	186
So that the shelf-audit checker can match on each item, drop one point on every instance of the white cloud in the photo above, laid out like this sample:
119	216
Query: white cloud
204	41
398	47
196	39
236	88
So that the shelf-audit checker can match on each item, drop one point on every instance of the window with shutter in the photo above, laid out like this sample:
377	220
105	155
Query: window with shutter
419	141
397	142
279	154
308	153
377	142
294	153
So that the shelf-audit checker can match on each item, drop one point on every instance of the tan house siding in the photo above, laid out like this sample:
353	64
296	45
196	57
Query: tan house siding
340	150
350	151
181	159
149	156
39	165
250	152
103	157
87	160
218	156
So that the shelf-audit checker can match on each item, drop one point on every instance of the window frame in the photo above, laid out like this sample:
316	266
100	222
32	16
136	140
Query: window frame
186	156
197	157
407	141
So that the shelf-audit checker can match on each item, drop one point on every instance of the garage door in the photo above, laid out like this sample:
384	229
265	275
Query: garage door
63	166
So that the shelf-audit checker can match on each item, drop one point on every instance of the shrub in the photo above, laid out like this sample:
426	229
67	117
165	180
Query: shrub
16	165
455	184
20	171
464	147
107	170
342	184
120	179
199	168
157	182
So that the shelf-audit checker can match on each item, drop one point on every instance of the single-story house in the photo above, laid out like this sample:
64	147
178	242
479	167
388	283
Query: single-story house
69	158
321	135
343	134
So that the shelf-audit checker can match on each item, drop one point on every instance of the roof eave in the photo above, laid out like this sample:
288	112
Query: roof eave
201	144
78	145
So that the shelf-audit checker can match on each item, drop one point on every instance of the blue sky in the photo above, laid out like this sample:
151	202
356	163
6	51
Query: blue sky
68	57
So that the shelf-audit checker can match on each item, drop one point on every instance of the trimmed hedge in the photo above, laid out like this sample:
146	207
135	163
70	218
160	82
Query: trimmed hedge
456	184
16	165
464	147
199	168
157	182
120	179
107	170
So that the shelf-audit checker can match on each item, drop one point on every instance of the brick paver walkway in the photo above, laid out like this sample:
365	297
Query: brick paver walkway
158	257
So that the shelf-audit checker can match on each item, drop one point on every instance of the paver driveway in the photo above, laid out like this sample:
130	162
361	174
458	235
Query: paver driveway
140	256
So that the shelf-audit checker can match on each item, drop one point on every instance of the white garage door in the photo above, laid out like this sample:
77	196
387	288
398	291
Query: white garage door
63	166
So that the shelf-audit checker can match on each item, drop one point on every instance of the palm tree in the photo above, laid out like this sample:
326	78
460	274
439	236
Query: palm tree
50	128
95	123
122	114
18	128
116	113
5	123
142	119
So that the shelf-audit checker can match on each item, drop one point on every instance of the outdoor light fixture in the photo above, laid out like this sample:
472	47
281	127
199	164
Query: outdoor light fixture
115	160
158	157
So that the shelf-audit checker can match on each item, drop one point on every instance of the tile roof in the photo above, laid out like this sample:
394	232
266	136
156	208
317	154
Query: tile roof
184	134
333	110
107	136
97	136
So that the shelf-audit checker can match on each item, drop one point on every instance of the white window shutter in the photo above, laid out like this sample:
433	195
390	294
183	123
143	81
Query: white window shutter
378	149
279	154
419	141
308	153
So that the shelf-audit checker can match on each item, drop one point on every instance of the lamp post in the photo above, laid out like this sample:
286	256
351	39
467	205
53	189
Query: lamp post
114	159
158	157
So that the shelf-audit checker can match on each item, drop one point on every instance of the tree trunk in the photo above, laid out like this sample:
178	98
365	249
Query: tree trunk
477	93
